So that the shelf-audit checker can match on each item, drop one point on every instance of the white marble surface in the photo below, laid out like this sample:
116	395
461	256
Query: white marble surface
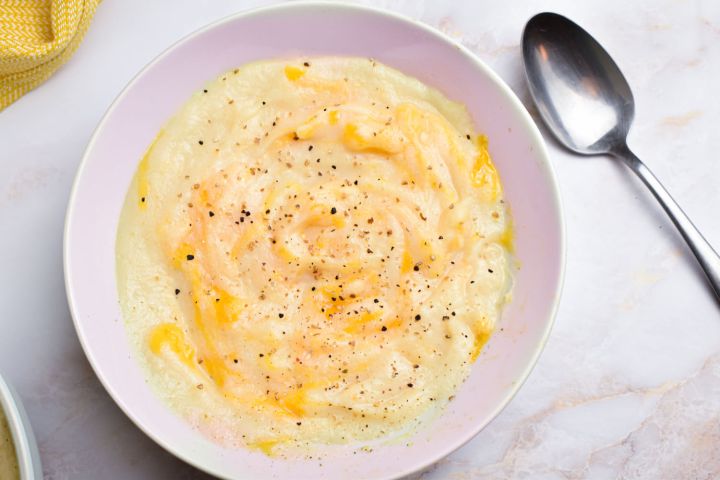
629	384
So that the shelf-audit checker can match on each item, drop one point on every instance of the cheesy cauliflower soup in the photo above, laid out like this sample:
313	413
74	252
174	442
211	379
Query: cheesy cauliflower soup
312	252
9	468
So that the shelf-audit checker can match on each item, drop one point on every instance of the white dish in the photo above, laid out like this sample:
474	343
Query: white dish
315	29
21	431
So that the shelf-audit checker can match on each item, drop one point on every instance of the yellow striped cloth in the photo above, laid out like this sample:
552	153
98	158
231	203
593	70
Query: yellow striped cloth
36	38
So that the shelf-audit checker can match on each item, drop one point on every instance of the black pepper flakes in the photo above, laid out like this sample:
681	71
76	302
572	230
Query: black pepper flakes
200	142
333	211
417	317
211	213
384	328
190	256
177	291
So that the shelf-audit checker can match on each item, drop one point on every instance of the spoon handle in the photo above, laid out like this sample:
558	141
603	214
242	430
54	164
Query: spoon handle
706	256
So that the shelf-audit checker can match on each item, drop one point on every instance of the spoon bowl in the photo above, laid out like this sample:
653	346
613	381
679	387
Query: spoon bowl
580	91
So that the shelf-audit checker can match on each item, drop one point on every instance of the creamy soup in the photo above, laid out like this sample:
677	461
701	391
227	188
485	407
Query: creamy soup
313	251
8	459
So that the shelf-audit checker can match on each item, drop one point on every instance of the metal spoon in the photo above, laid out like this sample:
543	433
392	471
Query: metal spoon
587	104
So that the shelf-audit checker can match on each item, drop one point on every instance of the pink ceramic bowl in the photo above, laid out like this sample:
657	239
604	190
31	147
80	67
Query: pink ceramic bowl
315	29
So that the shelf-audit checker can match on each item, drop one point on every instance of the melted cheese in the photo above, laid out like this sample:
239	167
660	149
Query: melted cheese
320	254
293	73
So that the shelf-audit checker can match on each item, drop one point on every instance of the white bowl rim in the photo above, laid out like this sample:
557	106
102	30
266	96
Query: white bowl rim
309	5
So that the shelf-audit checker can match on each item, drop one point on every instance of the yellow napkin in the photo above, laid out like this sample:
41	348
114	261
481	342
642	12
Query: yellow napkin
36	38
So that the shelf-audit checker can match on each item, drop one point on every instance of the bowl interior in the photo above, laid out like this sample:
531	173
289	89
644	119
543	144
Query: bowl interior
311	30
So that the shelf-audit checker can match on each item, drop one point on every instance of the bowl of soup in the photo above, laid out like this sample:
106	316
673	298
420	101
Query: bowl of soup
314	241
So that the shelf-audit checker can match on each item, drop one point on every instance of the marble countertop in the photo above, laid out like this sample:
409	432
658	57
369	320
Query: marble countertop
629	384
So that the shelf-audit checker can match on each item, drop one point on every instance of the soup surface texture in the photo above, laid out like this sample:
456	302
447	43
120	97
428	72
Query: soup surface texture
9	468
313	251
